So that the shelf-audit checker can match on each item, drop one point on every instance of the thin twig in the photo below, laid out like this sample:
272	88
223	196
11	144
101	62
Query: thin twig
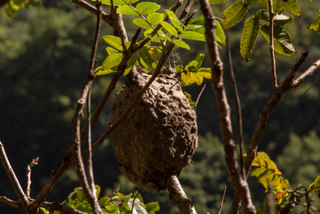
217	82
222	199
238	106
29	166
88	188
199	95
265	114
272	56
12	176
187	9
309	72
105	17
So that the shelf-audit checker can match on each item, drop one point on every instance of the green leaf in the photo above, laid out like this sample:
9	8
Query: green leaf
282	20
282	40
155	18
111	209
147	7
44	211
114	41
109	63
197	21
249	37
195	64
255	2
174	20
189	78
315	24
127	10
220	37
145	56
192	35
181	44
315	185
233	14
152	207
140	22
169	28
293	7
188	96
104	201
217	1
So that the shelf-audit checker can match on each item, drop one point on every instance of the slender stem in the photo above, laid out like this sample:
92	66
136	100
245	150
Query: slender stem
271	47
12	176
238	106
222	199
199	95
239	184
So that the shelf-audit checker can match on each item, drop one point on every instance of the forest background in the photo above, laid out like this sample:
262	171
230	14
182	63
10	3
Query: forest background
44	56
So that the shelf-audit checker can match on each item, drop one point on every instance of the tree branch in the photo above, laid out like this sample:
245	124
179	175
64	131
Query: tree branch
271	47
12	176
217	83
104	16
178	196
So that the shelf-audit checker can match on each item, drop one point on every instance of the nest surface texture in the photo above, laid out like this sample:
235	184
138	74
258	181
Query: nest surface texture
159	137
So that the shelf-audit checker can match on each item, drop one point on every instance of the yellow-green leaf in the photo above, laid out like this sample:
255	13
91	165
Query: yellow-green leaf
315	185
315	25
114	41
192	35
147	7
220	37
127	10
293	7
169	28
155	18
249	37
233	14
181	44
140	22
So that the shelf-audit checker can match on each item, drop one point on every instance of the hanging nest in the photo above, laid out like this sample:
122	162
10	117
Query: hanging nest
159	137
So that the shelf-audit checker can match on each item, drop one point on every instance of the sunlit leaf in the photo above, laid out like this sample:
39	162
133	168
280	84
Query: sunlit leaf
234	14
220	37
189	78
315	185
249	37
188	96
169	28
181	44
147	7
155	18
174	20
154	53
114	41
315	25
127	10
140	22
195	64
152	207
192	35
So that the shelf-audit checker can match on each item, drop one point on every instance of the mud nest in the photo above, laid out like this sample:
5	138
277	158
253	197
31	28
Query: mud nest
159	137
